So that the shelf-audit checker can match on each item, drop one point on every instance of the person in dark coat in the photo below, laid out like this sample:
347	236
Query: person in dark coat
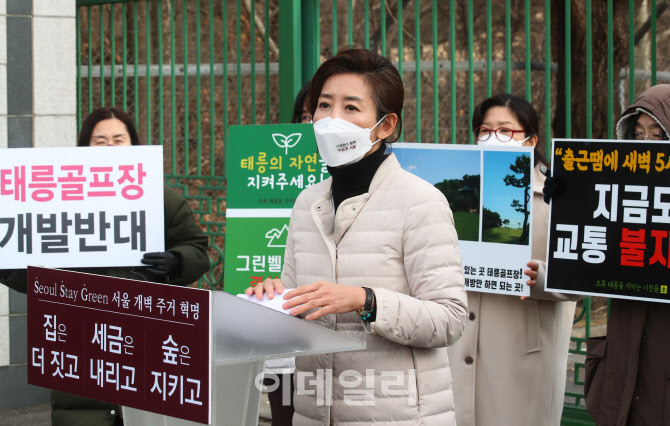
184	261
627	379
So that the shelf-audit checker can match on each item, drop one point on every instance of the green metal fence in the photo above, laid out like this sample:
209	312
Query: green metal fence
186	69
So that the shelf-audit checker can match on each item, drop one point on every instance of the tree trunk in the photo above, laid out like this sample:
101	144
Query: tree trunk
578	63
523	239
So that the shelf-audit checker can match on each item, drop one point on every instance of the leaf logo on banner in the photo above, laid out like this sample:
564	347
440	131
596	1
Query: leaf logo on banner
286	142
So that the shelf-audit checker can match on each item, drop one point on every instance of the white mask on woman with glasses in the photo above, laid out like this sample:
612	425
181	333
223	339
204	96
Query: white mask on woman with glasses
493	140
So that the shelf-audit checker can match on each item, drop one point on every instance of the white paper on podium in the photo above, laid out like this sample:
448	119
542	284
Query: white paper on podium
275	303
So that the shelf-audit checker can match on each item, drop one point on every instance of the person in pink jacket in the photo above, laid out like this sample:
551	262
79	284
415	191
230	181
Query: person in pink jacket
371	252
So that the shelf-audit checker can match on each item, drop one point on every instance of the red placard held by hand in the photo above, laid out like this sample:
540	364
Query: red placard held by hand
132	343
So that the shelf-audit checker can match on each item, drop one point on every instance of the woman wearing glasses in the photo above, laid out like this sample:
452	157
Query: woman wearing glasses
509	366
627	378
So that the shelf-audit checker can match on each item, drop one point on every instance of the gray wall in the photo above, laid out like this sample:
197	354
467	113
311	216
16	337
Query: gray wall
37	109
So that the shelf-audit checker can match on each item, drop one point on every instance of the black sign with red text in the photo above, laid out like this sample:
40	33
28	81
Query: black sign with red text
609	232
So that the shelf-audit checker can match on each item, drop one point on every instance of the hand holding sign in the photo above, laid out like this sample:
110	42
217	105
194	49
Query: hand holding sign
162	263
532	274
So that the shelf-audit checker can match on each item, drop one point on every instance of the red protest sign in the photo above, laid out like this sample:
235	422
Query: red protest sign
132	343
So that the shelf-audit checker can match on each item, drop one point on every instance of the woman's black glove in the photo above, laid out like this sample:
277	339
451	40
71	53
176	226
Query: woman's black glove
551	185
162	263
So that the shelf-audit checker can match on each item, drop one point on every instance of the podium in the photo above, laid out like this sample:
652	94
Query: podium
245	335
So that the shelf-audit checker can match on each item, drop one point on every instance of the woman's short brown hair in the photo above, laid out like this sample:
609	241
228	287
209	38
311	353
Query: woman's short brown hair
379	73
100	114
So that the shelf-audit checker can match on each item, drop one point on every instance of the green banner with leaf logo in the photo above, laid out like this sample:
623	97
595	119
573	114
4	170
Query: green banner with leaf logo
268	166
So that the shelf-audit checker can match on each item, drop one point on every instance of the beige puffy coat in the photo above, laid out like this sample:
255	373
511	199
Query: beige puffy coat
399	239
510	364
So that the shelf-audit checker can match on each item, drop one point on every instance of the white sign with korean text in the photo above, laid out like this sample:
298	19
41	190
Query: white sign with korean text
80	207
608	232
489	190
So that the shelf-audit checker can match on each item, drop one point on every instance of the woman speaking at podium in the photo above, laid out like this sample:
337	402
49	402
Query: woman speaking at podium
372	252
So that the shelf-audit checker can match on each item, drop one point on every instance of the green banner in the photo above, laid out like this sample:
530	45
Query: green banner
268	166
254	251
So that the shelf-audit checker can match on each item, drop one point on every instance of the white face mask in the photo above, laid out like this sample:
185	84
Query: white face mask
342	143
494	141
